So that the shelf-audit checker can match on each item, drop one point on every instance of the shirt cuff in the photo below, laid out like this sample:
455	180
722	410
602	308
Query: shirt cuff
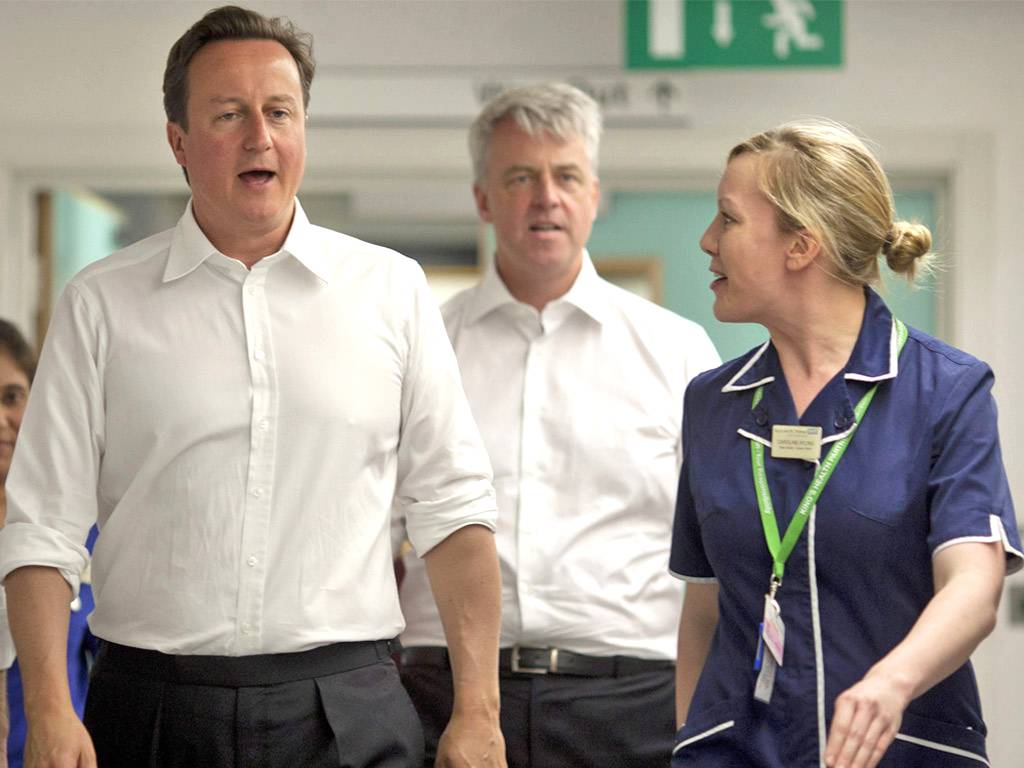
430	523
24	544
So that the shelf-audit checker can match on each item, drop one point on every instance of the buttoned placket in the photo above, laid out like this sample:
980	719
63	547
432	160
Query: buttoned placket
535	460
259	487
531	460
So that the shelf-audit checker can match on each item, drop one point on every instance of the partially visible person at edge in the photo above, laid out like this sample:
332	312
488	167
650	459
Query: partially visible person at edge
239	401
17	368
832	629
577	386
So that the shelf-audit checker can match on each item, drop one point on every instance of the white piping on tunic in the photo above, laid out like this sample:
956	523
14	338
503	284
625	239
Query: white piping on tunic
752	436
694	579
731	386
839	435
824	440
709	732
942	748
819	660
998	533
894	359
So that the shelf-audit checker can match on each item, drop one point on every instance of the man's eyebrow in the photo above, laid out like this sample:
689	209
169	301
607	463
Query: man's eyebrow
277	98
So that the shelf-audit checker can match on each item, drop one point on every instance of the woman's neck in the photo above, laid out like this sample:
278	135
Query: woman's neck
815	337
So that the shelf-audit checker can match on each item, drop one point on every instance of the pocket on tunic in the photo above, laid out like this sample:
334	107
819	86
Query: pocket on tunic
923	741
885	516
710	727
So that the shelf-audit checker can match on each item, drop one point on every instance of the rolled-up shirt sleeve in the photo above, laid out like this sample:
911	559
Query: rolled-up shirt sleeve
444	475
52	485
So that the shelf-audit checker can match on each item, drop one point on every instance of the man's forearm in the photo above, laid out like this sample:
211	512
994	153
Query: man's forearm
466	582
38	604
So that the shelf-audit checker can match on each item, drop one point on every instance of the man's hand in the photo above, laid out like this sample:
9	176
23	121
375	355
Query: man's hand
58	740
471	742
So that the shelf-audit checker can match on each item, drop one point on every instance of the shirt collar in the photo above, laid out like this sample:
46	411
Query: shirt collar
874	358
190	247
585	293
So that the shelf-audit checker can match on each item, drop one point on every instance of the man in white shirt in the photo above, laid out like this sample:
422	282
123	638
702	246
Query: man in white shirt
577	386
239	401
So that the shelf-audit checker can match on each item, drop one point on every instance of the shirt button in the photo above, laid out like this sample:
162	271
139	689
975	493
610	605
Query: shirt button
257	492
264	424
253	290
247	628
761	418
251	562
259	354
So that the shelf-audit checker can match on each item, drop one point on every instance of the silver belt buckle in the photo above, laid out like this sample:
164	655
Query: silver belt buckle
552	663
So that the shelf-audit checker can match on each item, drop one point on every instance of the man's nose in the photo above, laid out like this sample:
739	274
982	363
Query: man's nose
258	135
545	192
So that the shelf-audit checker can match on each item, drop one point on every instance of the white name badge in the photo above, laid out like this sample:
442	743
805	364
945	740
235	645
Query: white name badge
789	442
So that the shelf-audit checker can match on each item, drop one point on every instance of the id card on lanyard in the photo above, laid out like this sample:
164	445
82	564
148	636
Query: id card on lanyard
772	631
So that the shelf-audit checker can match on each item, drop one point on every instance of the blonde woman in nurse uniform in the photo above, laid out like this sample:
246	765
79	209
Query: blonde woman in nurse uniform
843	517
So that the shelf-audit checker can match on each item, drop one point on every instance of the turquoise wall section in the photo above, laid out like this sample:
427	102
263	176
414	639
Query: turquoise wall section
84	230
668	226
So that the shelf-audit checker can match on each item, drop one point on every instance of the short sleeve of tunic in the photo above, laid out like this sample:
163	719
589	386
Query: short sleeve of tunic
687	559
968	493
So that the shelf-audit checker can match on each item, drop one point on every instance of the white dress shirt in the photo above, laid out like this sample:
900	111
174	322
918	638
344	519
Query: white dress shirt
580	406
240	436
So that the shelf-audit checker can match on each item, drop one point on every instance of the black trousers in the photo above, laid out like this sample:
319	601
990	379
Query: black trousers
564	721
150	709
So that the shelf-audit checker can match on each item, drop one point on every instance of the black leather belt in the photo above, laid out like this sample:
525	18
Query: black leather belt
545	661
242	671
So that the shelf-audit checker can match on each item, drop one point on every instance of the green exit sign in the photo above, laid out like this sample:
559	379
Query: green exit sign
678	34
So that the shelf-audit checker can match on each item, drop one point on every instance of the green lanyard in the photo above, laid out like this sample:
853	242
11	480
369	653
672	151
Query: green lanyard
781	550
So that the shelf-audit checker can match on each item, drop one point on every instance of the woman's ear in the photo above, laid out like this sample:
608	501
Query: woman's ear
803	250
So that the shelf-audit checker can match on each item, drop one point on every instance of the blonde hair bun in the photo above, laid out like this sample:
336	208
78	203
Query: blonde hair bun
906	248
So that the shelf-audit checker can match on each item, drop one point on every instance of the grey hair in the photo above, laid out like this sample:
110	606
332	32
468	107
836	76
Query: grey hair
556	108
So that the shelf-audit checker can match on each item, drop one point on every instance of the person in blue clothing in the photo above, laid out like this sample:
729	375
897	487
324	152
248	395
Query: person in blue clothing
843	517
17	368
82	649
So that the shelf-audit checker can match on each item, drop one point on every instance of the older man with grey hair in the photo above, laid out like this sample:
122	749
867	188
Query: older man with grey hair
577	386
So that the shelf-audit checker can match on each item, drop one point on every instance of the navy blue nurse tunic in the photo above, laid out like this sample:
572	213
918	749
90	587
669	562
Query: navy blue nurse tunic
923	472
